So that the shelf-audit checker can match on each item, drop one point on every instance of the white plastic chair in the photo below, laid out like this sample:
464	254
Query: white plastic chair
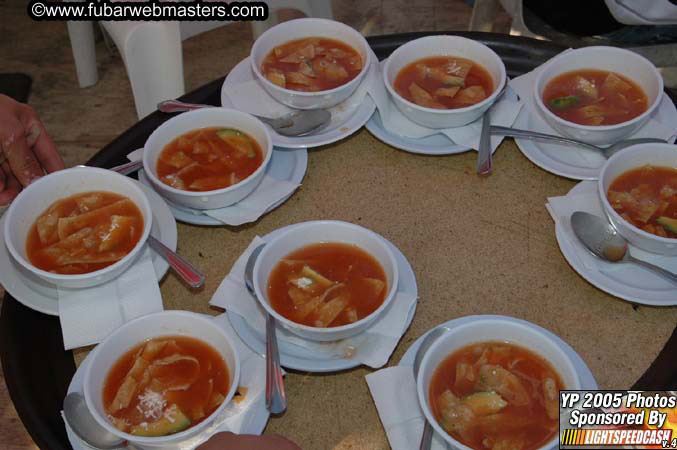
151	51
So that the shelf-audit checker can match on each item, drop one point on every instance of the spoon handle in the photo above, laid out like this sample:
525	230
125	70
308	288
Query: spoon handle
426	439
276	400
186	270
127	168
172	106
534	135
484	161
659	270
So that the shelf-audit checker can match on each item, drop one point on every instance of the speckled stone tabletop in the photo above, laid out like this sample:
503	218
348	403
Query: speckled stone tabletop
477	246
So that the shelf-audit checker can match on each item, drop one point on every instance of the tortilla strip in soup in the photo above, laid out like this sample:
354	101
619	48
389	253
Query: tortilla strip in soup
207	159
444	82
165	385
84	233
496	395
327	285
312	64
594	97
647	198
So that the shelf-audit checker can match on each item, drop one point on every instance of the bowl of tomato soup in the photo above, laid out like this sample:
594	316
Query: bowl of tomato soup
444	81
310	63
78	227
638	192
495	383
598	94
326	280
208	158
162	378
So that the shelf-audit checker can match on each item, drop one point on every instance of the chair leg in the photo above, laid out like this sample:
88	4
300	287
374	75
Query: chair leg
153	57
83	45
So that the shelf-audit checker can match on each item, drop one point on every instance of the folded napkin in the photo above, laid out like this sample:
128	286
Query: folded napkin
659	125
270	191
587	200
249	96
88	315
394	392
372	347
503	113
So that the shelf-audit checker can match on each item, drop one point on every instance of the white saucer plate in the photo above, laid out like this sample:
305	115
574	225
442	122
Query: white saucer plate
299	358
259	413
286	164
558	158
587	379
628	281
40	296
242	73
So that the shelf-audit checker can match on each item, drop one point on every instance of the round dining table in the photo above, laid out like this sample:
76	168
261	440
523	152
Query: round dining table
477	245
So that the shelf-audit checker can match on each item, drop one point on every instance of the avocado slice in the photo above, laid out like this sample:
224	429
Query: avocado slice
560	103
668	223
240	141
172	422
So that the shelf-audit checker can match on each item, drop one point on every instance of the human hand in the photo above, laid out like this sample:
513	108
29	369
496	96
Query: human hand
26	150
230	441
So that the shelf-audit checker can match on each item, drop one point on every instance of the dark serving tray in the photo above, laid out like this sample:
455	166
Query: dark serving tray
38	370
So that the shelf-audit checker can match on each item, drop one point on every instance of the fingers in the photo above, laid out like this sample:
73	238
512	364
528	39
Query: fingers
20	157
38	139
12	186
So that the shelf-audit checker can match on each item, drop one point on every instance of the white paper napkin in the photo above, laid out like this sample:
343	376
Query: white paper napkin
249	96
524	86
561	209
373	347
394	392
88	315
270	191
503	113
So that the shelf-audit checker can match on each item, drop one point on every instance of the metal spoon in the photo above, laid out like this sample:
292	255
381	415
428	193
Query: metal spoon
606	151
602	239
426	439
192	276
295	124
276	400
86	427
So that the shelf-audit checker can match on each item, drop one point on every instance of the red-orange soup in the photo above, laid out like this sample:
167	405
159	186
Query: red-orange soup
647	198
84	233
496	395
444	82
327	285
594	97
165	385
208	158
312	64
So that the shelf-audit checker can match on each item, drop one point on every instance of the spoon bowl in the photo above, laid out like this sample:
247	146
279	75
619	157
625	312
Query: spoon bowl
603	241
86	427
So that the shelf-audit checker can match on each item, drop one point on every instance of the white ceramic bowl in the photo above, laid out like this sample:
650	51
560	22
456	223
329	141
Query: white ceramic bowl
483	330
614	59
304	28
315	232
39	195
165	323
632	158
203	118
443	46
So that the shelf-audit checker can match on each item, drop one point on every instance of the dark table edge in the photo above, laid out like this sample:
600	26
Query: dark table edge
39	383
